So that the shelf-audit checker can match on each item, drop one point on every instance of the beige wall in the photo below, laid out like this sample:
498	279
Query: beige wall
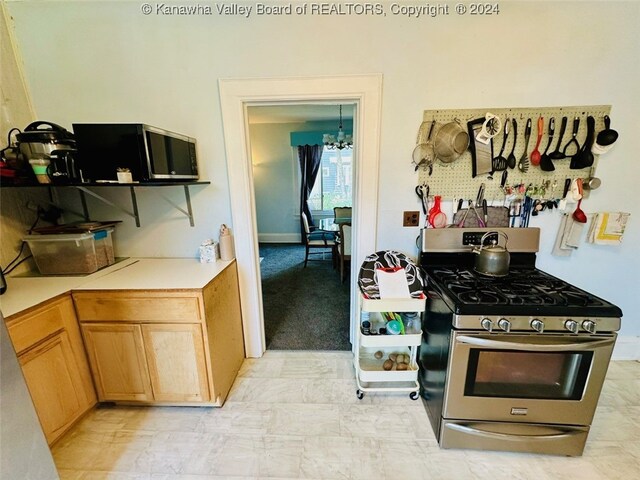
106	61
16	111
276	176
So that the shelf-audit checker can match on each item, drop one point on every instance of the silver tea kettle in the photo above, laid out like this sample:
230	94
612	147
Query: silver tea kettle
492	260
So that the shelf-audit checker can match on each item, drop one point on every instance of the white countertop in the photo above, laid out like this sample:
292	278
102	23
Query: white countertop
130	274
158	274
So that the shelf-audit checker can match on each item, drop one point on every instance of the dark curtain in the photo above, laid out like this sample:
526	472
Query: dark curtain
309	157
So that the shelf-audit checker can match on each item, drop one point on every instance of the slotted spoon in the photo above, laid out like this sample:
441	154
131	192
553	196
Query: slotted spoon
500	162
523	164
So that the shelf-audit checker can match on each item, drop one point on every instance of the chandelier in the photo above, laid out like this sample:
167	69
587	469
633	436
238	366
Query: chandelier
340	141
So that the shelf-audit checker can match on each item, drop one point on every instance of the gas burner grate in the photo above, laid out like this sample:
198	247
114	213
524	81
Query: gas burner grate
522	287
531	299
480	297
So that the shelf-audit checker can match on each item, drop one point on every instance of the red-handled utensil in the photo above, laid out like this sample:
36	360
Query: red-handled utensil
535	155
437	217
579	215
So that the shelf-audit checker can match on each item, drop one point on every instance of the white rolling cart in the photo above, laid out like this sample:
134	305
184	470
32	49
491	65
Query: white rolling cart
370	374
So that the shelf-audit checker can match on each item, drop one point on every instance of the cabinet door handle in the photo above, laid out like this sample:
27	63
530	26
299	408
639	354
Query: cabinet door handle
531	347
511	437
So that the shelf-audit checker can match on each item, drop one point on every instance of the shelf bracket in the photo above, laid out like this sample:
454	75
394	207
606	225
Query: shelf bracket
134	203
110	203
85	209
187	197
189	211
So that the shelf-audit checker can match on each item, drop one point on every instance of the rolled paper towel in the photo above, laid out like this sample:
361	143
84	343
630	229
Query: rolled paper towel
226	244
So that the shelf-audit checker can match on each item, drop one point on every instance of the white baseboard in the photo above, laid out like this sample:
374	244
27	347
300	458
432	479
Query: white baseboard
279	238
627	348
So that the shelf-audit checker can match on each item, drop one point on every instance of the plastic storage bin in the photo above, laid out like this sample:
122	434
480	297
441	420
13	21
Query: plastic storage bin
69	254
104	247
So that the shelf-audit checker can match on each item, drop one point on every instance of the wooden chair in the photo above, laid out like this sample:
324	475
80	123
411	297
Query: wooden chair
342	213
344	248
317	239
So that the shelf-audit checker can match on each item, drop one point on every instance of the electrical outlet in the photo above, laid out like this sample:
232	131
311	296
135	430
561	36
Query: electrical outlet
411	219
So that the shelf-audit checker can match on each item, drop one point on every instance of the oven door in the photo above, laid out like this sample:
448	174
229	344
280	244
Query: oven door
532	378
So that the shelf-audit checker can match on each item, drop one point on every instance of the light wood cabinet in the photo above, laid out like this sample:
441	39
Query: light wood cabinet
164	346
175	356
117	357
53	383
225	339
51	353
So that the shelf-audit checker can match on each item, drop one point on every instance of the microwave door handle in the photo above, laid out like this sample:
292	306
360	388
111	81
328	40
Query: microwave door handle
510	437
506	345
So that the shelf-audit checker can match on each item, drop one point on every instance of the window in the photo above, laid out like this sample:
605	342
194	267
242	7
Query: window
333	183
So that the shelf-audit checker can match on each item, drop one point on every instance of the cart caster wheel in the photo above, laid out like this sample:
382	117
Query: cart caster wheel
414	395
359	394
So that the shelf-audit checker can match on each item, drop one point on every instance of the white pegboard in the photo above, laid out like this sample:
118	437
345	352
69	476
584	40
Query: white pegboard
455	180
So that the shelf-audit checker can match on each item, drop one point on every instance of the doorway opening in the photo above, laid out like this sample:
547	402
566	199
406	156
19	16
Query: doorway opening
305	298
236	95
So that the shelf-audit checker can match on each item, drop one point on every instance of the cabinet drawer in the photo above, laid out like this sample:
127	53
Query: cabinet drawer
156	306
27	330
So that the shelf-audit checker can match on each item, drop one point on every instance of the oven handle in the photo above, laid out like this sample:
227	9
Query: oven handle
506	345
510	437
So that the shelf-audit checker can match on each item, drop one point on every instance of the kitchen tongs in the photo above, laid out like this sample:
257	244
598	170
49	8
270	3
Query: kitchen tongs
464	217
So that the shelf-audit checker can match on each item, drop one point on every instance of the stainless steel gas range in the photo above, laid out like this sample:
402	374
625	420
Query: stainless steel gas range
511	363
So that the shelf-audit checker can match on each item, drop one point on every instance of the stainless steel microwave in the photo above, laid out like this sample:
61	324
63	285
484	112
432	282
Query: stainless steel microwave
150	153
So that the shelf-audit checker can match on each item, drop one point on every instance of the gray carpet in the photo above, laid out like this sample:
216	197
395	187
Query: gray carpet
304	308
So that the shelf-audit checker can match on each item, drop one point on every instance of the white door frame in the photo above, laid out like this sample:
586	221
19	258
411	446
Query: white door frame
365	91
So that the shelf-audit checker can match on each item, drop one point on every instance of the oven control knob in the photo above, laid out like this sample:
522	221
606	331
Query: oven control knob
589	326
572	326
504	324
487	324
537	325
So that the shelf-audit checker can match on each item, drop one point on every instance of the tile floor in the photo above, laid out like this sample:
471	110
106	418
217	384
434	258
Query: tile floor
296	415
